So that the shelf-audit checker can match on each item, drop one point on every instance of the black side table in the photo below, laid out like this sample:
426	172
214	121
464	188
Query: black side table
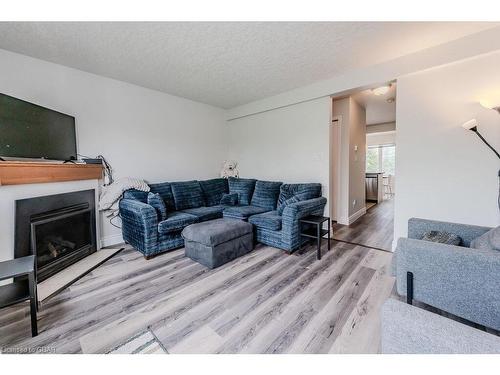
316	232
21	289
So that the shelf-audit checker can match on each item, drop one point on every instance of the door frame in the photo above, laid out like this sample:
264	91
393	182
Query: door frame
334	166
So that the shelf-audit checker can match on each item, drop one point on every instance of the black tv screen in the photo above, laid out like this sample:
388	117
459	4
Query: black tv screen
28	130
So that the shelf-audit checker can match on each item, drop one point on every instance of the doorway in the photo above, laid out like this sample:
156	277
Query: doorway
362	166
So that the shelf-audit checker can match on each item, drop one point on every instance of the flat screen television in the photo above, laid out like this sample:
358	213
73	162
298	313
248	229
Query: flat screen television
30	131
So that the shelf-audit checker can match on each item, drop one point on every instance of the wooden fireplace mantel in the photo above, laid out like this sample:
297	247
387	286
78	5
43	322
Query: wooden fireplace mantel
16	172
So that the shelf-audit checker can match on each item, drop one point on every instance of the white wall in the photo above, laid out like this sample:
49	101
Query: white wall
287	144
357	161
141	132
352	164
444	172
383	138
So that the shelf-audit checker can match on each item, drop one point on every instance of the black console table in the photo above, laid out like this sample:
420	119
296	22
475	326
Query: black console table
21	289
315	229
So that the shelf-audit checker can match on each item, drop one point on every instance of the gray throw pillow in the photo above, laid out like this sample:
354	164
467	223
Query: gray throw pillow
488	241
230	199
442	237
294	199
157	202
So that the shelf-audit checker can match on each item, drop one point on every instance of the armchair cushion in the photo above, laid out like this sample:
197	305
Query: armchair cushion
242	212
244	187
165	191
213	190
187	194
176	221
488	241
266	194
157	202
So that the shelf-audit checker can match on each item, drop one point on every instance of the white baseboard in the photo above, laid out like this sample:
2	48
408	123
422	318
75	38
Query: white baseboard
344	220
111	240
355	216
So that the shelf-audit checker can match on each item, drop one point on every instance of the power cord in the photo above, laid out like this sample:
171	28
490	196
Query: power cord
108	170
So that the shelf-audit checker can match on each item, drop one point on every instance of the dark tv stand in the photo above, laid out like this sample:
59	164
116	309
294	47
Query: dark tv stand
2	159
69	161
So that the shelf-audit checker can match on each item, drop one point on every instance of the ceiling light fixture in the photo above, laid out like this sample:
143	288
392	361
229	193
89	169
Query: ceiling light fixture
381	90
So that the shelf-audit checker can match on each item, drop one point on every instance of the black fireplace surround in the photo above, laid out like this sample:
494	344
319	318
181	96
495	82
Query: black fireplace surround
59	229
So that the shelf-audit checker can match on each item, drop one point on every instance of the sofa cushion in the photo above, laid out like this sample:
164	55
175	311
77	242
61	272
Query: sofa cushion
294	199
213	190
309	191
268	220
206	213
488	241
266	194
216	232
187	194
244	187
176	221
165	191
141	196
157	202
242	212
230	199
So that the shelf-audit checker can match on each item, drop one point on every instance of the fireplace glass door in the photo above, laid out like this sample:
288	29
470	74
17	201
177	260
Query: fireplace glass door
60	237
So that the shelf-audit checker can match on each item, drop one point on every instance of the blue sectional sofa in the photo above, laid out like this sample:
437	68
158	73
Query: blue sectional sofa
273	208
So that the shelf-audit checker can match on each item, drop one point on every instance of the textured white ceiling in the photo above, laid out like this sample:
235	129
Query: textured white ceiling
225	64
378	110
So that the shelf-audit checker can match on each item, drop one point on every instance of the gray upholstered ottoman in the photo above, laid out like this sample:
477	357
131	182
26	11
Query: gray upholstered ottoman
215	242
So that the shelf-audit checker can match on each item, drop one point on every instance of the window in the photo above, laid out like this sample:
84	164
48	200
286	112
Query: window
381	158
372	159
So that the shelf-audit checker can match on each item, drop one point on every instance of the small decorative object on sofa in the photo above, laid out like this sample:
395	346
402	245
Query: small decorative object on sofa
230	199
195	202
442	237
229	169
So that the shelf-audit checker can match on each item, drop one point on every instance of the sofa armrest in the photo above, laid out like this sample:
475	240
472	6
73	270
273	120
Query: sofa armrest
459	280
417	227
139	225
292	215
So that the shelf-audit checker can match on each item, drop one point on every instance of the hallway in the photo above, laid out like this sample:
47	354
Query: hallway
374	229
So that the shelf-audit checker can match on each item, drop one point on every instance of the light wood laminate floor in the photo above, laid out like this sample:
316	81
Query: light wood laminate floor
374	229
264	302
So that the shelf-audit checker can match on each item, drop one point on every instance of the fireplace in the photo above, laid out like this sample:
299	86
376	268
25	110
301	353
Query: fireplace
59	229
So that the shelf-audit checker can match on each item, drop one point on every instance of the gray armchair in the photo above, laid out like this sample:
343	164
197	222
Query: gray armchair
457	279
